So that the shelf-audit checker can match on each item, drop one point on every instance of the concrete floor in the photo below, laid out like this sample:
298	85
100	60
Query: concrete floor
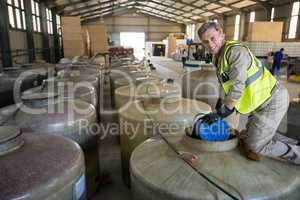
112	186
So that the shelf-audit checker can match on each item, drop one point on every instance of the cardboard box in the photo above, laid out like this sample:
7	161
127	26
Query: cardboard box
97	38
265	31
72	37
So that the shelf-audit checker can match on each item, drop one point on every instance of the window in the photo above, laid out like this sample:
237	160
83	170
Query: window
49	21
36	17
215	20
272	14
58	24
16	14
237	27
190	31
294	20
252	17
58	27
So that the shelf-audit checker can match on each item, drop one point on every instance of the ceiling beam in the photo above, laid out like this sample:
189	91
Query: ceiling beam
161	4
195	6
103	8
224	5
69	12
62	7
112	8
114	11
160	16
265	4
147	6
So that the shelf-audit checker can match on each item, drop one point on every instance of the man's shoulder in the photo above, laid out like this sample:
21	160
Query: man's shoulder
238	49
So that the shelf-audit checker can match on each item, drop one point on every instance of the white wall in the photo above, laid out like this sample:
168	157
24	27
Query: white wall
18	46
38	45
154	28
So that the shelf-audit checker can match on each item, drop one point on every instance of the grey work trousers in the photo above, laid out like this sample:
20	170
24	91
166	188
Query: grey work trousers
261	136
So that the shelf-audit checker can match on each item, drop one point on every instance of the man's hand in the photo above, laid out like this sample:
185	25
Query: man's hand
222	112
219	104
210	118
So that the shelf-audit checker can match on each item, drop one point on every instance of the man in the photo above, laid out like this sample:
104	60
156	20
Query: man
277	61
249	88
184	57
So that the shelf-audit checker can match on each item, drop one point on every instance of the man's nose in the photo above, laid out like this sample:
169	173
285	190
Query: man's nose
210	44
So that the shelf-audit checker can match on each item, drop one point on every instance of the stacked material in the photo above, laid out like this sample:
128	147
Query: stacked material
72	37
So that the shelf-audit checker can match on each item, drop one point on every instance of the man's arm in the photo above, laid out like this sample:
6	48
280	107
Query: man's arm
239	61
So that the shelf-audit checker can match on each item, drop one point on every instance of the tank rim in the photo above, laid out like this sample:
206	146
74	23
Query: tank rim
217	146
10	139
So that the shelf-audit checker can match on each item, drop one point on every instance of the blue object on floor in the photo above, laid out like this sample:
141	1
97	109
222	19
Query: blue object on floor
217	131
191	65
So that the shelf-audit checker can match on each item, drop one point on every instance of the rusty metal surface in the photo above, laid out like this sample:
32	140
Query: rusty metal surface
45	167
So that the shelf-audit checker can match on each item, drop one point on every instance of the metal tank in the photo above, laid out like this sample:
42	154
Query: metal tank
145	88
84	89
143	118
201	85
136	79
94	81
48	68
157	172
119	78
41	166
44	113
78	70
11	77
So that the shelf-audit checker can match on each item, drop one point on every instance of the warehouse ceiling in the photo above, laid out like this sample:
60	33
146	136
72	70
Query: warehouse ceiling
179	11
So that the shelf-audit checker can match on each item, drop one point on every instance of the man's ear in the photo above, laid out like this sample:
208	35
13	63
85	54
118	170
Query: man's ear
222	35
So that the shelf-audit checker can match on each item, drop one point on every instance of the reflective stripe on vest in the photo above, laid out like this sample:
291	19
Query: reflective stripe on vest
255	76
258	85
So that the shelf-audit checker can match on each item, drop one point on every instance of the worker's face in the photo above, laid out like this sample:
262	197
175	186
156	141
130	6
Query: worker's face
212	40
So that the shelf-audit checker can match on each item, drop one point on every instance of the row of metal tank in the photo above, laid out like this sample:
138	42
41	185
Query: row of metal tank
32	137
153	164
23	77
147	105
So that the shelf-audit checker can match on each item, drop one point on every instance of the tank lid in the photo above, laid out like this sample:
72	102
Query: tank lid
39	96
10	139
208	146
39	99
155	93
11	68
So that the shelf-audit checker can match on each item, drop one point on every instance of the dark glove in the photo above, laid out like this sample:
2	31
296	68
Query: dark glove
222	112
219	104
210	118
169	80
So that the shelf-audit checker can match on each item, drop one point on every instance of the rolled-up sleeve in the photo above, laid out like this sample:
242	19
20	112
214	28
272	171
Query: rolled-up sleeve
239	61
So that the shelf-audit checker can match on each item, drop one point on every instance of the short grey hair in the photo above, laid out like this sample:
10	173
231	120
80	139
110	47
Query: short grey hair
208	25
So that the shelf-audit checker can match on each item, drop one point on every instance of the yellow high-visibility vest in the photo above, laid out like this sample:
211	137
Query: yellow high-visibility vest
258	85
